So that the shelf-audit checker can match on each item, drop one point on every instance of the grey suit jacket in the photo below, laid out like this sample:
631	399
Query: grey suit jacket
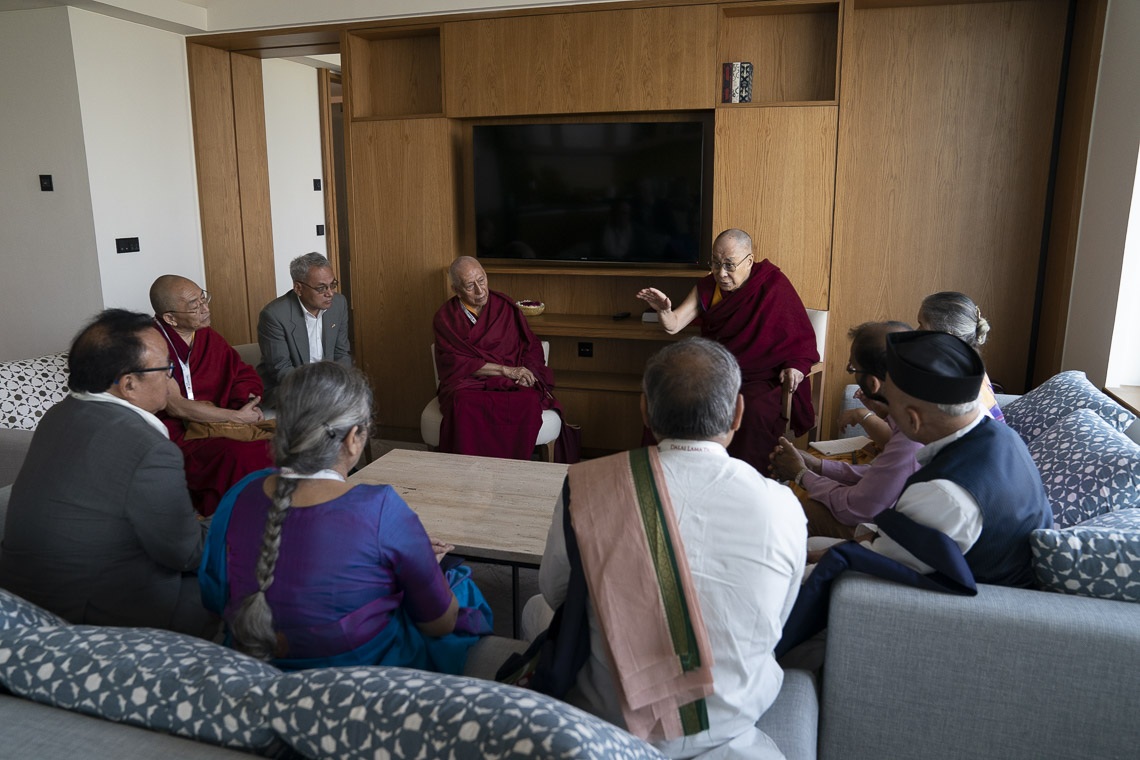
284	340
100	528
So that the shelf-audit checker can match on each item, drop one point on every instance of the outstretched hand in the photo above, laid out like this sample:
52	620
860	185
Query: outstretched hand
785	461
657	300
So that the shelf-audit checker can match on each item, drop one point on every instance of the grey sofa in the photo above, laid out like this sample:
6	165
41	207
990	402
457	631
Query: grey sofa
1010	673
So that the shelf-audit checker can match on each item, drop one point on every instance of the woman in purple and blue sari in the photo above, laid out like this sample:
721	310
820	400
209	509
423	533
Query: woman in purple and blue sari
308	571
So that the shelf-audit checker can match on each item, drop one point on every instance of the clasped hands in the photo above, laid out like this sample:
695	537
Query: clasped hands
520	375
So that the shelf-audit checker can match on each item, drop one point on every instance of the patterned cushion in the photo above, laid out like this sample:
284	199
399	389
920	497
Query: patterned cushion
1088	468
1057	398
1100	558
143	677
18	613
29	387
393	712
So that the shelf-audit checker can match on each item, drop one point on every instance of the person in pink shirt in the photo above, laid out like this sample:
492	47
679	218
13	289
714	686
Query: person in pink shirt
842	495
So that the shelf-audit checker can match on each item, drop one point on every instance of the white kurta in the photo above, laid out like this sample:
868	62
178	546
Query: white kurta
745	538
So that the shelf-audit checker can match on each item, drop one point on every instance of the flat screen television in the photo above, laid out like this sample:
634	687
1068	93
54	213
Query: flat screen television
620	192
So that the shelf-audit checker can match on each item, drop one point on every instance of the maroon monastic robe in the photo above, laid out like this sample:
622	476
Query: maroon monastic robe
489	416
765	326
219	376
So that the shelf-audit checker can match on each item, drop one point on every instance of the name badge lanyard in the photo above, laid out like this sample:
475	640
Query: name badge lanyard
184	365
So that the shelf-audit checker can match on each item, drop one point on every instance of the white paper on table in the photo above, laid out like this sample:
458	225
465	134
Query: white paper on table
840	445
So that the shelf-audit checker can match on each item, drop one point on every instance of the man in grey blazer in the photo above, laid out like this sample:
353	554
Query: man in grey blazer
100	529
307	324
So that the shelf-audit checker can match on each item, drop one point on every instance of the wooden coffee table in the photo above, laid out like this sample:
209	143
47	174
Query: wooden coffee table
493	510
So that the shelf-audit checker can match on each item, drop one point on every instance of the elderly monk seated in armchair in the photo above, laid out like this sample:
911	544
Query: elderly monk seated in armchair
214	385
493	380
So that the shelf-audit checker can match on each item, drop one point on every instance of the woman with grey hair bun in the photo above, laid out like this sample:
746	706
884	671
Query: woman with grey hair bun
308	571
955	313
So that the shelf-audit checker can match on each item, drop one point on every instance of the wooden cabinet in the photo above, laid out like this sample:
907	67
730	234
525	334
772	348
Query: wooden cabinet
774	178
793	47
642	59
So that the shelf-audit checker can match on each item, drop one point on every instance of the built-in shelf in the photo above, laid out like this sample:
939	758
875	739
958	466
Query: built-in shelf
793	47
593	326
644	273
598	381
398	73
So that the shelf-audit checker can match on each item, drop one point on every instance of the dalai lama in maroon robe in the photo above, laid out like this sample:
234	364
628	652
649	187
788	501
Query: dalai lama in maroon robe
214	385
754	312
493	381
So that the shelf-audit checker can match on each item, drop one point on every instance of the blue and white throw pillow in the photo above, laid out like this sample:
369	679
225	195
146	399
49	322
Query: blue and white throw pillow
1099	558
1057	398
350	713
1087	467
17	613
144	677
29	387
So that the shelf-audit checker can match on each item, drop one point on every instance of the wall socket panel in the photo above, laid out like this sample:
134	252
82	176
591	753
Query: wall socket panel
46	183
320	229
126	245
586	350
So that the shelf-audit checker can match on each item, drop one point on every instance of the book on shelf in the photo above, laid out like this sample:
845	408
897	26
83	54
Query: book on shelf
736	82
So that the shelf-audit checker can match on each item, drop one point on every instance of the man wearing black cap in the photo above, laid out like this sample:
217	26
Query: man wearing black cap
977	484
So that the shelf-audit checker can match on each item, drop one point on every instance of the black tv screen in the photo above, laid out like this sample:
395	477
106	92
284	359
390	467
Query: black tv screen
606	192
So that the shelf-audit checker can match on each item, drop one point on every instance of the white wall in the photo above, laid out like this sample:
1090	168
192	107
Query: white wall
1109	182
1124	358
135	99
293	142
47	240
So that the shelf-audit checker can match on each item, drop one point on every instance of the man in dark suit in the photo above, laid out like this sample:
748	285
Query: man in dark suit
307	324
100	528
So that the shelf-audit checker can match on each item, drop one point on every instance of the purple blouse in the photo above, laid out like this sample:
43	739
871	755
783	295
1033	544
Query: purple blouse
856	493
343	568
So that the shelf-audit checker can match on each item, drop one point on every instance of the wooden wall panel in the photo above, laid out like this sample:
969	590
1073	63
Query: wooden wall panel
1080	96
644	59
211	100
253	185
403	232
944	152
775	178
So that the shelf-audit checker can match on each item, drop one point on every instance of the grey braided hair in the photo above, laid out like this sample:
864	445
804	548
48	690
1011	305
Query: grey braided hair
954	313
317	406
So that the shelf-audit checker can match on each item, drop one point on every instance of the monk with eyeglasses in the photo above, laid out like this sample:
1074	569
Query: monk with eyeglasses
753	310
214	385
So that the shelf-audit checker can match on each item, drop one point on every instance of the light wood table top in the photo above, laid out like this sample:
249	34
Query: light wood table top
492	509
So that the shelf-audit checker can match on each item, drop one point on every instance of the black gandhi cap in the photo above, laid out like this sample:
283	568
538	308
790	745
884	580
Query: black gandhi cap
934	366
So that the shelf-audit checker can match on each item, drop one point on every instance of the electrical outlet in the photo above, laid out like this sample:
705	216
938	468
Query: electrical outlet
586	350
320	229
45	183
316	184
127	245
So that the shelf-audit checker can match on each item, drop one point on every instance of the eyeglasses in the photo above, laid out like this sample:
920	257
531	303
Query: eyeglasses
168	369
728	266
852	371
322	289
195	306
